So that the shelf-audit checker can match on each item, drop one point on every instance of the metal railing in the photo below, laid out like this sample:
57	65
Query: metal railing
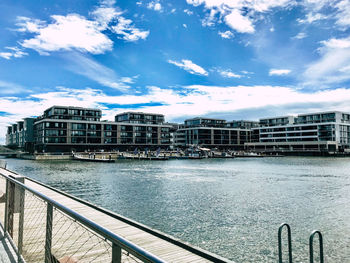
311	246
44	230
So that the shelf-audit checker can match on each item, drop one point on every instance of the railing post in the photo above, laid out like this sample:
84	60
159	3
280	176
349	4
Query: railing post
280	260
21	222
9	207
116	253
48	240
6	205
311	246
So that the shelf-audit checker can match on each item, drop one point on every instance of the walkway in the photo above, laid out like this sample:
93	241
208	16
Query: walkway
159	244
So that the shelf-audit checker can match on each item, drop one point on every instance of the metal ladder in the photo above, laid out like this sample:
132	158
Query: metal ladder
311	244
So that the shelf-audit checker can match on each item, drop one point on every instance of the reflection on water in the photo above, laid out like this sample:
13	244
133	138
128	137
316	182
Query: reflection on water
230	207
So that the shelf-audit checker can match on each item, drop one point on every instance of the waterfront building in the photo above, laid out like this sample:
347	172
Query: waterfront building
64	129
242	124
140	117
21	134
211	133
315	132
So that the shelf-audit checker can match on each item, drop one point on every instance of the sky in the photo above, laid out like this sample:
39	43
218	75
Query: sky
230	59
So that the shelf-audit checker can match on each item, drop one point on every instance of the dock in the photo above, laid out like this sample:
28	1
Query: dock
52	226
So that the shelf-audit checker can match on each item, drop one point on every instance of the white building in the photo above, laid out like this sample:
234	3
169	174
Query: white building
316	132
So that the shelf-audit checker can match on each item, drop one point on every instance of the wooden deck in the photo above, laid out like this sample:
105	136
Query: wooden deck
69	236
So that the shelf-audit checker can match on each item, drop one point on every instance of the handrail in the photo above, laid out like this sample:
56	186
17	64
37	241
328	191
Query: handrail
280	243
198	251
311	246
114	238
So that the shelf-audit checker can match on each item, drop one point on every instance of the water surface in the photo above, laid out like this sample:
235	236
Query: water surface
231	207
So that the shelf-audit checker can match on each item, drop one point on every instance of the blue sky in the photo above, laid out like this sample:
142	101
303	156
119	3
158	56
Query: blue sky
219	58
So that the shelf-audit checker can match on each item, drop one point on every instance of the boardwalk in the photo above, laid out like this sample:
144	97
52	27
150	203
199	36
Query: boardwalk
73	240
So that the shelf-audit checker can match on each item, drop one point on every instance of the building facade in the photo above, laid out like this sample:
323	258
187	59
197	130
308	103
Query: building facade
21	134
64	129
316	132
211	133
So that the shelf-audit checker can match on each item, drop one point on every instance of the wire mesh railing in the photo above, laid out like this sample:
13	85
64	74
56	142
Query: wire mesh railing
43	230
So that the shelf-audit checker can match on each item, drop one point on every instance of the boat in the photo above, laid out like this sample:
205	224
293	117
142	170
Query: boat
249	155
152	158
92	158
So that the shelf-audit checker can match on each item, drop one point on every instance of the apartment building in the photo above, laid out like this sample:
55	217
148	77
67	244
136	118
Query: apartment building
315	132
63	129
21	134
211	133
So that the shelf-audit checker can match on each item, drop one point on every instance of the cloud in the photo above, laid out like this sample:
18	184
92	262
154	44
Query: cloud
188	12
312	17
26	24
239	15
104	15
227	34
279	72
229	74
127	31
73	32
189	66
182	102
343	15
12	52
331	67
300	35
238	22
155	5
7	88
6	55
88	67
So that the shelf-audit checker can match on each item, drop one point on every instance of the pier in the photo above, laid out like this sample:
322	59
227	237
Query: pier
47	225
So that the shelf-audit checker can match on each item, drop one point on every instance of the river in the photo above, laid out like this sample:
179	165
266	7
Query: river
232	207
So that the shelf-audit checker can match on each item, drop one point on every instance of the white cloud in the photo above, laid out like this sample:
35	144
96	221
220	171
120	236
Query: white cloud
6	55
210	19
67	33
189	66
229	74
93	70
180	103
227	34
128	31
104	15
238	22
231	12
334	43
188	12
300	35
330	67
279	72
155	5
13	52
76	32
7	88
25	24
312	17
184	25
343	15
